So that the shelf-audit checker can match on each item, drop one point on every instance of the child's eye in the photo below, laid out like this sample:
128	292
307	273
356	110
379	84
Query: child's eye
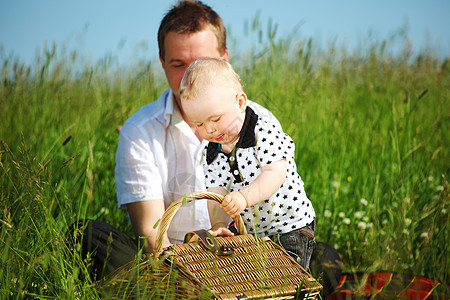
216	119
199	124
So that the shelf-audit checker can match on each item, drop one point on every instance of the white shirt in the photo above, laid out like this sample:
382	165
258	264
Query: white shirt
261	143
159	157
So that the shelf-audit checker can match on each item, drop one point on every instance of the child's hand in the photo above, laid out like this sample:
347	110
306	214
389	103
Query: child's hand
233	204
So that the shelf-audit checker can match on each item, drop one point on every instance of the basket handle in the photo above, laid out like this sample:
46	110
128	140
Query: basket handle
176	205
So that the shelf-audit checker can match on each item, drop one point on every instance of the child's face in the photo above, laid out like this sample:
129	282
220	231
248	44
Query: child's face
217	114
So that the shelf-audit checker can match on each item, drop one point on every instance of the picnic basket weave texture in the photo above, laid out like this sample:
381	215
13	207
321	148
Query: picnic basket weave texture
258	268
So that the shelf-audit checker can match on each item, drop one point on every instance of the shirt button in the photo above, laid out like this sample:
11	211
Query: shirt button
235	172
232	158
201	221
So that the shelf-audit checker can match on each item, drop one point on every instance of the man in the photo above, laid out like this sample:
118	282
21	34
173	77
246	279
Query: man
159	150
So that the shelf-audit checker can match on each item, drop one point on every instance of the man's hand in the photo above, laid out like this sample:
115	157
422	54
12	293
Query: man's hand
220	231
233	204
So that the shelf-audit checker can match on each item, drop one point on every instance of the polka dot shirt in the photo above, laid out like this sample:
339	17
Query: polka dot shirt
261	143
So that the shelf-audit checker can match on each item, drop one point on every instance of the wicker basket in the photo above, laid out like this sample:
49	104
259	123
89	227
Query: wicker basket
257	268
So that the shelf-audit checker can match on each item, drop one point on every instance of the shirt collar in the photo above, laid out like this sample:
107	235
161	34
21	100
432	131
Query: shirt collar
247	137
172	114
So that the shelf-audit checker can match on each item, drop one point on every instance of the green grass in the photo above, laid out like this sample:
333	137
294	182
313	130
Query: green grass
371	133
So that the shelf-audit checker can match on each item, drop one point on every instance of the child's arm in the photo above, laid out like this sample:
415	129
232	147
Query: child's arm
263	187
219	219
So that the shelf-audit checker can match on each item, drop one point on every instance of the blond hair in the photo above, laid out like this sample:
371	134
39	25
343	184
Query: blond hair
206	73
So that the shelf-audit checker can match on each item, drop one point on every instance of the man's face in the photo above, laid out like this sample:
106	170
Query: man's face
182	50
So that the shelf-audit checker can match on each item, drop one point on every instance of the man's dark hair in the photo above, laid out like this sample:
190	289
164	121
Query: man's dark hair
190	17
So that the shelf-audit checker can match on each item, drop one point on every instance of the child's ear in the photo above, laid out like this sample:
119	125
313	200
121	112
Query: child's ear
241	99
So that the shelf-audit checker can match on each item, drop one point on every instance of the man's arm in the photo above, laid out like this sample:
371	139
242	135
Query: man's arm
144	215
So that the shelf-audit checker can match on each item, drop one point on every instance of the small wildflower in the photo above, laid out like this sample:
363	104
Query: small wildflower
424	235
362	225
365	219
336	246
341	215
327	213
407	200
384	222
336	184
408	221
349	178
364	201
359	214
369	225
346	221
444	211
430	178
439	188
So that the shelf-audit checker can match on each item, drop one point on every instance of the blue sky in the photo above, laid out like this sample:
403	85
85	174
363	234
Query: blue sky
98	28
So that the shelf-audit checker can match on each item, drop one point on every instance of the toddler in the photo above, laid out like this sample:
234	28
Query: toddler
248	159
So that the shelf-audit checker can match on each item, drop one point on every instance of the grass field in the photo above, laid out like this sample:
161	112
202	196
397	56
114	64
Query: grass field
372	146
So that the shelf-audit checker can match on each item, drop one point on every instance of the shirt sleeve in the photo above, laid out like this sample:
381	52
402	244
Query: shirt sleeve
265	114
137	174
272	144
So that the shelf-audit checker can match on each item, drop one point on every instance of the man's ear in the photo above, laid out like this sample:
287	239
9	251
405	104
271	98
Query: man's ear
163	64
241	99
226	55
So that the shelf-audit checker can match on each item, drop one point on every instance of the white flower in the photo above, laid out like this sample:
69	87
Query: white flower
365	219
327	213
439	188
364	201
359	214
408	221
346	221
104	210
369	225
362	225
424	235
341	214
384	222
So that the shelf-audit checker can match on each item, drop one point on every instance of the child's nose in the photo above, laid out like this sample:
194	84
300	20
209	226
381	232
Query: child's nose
210	128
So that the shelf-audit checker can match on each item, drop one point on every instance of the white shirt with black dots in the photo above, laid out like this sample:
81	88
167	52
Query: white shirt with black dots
261	143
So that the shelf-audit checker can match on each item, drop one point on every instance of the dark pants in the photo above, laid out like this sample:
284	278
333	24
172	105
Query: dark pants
105	246
299	244
109	249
